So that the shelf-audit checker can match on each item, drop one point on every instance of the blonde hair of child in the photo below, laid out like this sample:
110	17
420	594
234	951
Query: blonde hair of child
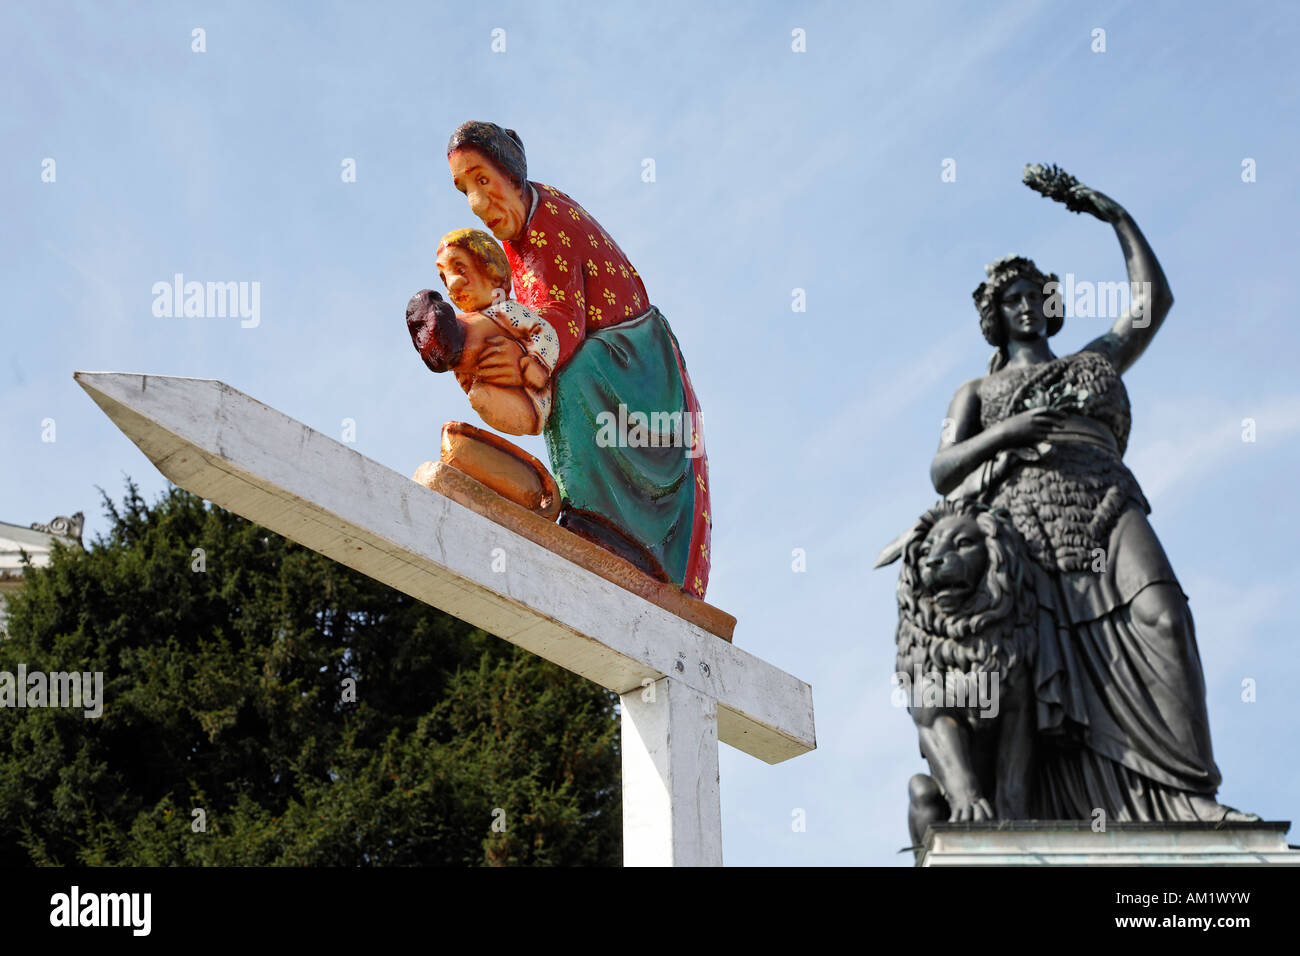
485	250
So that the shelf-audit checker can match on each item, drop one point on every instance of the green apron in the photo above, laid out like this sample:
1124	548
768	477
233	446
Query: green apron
646	491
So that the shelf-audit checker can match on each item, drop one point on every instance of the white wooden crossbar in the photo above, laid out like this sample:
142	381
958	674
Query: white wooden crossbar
682	688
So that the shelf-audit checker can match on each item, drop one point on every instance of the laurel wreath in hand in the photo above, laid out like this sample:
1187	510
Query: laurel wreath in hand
1055	183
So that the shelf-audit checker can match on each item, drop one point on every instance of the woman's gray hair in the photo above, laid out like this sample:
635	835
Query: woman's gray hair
502	146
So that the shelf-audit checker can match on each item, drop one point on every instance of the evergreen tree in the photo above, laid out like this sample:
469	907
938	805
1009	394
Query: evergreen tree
315	716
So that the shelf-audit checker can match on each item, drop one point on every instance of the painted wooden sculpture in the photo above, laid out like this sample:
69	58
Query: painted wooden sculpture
578	355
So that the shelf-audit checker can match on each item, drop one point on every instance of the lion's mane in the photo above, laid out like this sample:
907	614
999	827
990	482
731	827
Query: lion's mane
993	631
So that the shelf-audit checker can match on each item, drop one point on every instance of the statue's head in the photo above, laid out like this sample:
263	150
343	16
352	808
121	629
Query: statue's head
1017	302
472	266
488	165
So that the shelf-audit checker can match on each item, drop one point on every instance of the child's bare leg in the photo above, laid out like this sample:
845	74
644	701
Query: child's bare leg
508	410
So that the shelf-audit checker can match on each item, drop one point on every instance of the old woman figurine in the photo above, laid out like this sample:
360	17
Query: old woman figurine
623	433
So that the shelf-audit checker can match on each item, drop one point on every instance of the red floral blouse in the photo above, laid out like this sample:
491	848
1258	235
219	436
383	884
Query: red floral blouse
567	269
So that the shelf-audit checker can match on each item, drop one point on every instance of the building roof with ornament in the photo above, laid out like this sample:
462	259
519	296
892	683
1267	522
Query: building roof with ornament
36	541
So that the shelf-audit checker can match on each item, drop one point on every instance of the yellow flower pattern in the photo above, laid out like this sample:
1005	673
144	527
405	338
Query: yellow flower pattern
582	289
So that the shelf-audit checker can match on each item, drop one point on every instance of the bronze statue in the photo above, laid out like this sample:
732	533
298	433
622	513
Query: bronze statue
1119	721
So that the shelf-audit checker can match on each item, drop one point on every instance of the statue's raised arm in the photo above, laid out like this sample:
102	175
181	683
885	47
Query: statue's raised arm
1151	297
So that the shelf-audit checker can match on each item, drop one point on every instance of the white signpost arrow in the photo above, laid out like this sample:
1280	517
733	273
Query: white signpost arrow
682	689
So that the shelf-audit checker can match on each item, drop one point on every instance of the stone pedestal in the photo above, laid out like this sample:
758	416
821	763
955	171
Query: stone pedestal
1075	843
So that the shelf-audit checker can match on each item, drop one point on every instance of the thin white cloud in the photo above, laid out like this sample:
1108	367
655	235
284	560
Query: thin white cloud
1193	436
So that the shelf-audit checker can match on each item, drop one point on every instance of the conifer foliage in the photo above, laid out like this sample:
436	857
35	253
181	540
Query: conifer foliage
313	715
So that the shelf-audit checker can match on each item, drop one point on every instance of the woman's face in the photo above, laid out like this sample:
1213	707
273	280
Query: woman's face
1022	310
492	196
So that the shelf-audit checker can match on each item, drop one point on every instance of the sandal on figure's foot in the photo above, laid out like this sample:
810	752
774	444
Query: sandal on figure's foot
1210	810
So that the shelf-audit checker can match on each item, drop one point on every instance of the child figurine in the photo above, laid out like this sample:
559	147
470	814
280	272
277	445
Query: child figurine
477	276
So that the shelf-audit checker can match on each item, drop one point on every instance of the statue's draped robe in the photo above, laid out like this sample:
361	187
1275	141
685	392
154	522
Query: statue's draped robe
1121	708
616	349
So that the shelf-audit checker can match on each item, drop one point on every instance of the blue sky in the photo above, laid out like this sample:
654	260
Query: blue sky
775	170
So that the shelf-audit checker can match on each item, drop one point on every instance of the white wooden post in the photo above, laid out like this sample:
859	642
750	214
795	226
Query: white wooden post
672	814
238	453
